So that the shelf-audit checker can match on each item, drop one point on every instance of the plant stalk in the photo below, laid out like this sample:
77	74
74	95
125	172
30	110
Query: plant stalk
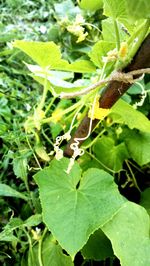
117	34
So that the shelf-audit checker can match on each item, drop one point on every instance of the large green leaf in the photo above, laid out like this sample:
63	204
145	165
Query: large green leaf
39	71
138	9
7	191
99	51
57	85
48	55
108	31
73	210
123	112
56	80
115	9
125	9
138	145
81	66
45	54
110	155
90	4
129	234
98	247
145	199
51	254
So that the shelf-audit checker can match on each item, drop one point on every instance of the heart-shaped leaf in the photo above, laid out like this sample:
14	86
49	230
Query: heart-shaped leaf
48	56
129	235
45	54
138	145
115	9
73	210
122	112
110	155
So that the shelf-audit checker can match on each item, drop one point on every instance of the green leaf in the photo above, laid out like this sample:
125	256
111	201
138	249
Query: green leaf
39	71
108	31
126	9
3	128
81	66
51	254
55	128
48	55
15	223
7	191
90	4
136	88
7	233
56	86
138	9
57	81
138	145
129	234
81	207
45	54
145	200
20	167
112	156
8	237
98	247
99	51
128	115
115	9
33	220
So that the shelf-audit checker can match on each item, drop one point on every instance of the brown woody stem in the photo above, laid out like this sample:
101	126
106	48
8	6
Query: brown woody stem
113	91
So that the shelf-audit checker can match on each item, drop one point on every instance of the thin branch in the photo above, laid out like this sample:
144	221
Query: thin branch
84	91
117	76
140	71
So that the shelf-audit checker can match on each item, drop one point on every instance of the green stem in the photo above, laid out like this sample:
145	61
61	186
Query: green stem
50	104
30	244
137	168
140	35
83	114
117	34
91	25
132	175
46	137
69	109
41	104
40	247
135	34
94	140
36	159
140	39
103	165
